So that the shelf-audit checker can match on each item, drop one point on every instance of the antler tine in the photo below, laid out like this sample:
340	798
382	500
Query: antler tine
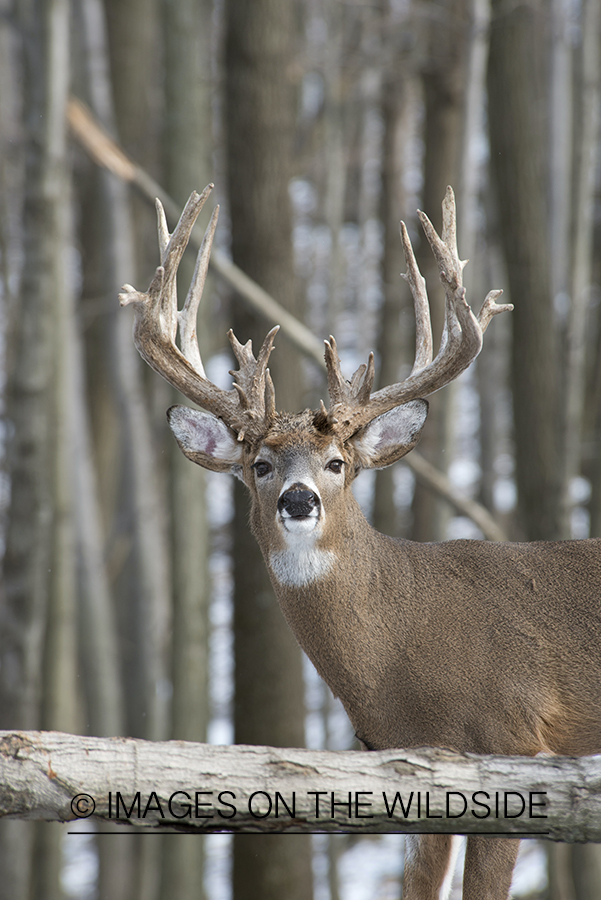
163	230
336	382
462	335
166	292
363	380
339	389
266	348
423	325
172	253
490	309
187	318
449	224
270	409
346	397
458	314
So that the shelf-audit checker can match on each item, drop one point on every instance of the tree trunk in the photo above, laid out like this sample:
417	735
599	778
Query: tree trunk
447	35
134	32
587	89
130	63
188	147
518	128
394	342
188	151
38	528
59	666
105	531
260	121
129	475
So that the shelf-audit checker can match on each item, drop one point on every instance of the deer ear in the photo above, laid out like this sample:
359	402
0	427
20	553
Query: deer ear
206	440
390	436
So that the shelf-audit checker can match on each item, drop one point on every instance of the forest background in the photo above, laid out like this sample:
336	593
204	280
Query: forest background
133	598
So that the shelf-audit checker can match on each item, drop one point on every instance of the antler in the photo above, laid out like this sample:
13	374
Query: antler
352	406
250	406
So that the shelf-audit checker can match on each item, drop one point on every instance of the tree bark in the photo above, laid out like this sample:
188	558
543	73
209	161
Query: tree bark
446	36
149	618
587	89
59	777
260	123
38	525
188	147
395	350
518	123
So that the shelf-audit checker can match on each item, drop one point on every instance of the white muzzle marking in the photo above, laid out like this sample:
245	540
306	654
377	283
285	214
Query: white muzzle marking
302	562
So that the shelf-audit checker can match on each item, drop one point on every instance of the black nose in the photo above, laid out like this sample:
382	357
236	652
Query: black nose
298	502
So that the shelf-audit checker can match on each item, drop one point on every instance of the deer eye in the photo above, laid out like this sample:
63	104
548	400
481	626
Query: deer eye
262	468
335	466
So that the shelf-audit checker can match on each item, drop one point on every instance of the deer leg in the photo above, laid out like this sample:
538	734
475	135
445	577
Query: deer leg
427	859
489	864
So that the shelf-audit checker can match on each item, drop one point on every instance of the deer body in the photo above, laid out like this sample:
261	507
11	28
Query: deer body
466	678
474	646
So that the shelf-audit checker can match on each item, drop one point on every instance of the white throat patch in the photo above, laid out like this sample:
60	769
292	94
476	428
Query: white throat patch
301	565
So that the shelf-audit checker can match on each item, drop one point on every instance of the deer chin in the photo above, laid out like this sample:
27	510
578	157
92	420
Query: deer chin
300	524
302	562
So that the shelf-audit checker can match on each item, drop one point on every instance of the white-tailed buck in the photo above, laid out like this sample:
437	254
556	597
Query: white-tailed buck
471	645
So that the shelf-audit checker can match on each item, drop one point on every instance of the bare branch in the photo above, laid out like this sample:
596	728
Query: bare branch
429	475
106	153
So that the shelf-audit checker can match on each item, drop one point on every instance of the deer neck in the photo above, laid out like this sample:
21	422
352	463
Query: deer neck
336	606
345	553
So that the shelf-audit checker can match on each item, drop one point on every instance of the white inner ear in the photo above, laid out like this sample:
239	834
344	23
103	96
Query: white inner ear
396	428
202	433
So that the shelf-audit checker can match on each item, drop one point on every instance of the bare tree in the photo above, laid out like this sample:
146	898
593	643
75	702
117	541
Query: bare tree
260	123
399	103
38	605
517	95
188	153
444	32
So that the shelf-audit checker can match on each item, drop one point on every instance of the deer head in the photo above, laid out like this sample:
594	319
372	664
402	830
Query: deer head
299	467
